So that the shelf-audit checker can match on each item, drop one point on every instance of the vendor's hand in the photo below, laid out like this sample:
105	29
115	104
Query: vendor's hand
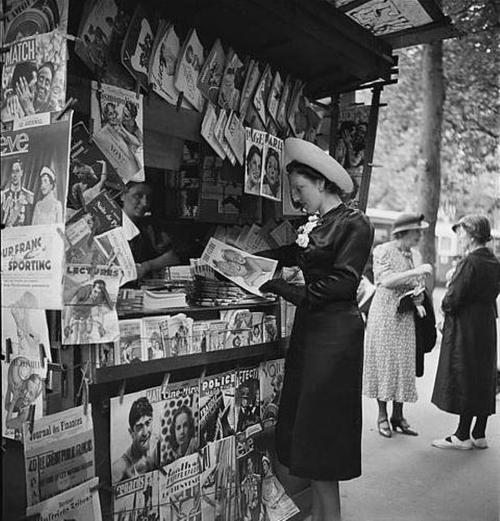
421	311
142	269
270	286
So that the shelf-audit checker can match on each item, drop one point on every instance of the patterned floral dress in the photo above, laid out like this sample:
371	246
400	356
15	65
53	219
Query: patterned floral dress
389	360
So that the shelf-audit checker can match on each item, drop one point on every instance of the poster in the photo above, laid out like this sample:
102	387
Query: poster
80	503
32	266
254	140
163	63
247	271
118	130
23	18
188	69
58	453
137	498
34	161
179	490
272	159
89	314
218	481
34	76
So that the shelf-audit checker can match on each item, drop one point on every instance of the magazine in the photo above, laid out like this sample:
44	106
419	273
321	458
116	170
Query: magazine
22	18
152	338
248	90
247	401
80	503
217	335
135	428
281	114
208	129
129	347
275	96
163	62
34	163
34	76
100	35
255	140
232	82
177	333
90	172
179	420
218	481
269	329
137	45
257	324
137	498
271	383
58	453
188	69
118	130
284	233
217	407
272	159
262	93
89	314
247	271
219	129
211	74
201	336
179	490
234	133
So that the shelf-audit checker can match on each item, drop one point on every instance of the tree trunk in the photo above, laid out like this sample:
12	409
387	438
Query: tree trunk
430	144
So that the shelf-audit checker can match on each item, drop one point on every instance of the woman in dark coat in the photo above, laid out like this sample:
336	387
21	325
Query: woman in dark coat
465	379
318	434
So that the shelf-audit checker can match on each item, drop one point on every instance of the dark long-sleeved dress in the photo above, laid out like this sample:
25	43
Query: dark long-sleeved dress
466	374
318	433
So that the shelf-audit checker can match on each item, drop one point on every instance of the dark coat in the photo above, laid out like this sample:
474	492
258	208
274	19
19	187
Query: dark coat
318	434
425	333
466	374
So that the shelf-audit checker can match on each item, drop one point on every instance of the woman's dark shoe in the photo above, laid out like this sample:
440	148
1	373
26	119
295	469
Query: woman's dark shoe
403	426
383	428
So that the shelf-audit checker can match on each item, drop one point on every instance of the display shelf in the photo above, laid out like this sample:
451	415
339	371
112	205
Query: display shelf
193	309
116	373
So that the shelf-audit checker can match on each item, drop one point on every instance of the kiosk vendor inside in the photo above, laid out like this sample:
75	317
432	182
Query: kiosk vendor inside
152	248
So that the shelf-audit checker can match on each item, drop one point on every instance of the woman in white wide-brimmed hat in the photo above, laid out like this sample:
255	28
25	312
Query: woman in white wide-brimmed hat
318	432
390	348
48	209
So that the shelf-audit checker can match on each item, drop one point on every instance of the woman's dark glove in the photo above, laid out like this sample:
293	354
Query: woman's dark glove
292	293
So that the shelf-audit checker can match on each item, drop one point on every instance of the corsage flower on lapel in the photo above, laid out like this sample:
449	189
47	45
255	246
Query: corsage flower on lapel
304	231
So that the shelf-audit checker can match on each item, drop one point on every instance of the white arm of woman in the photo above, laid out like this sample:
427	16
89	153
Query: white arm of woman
394	280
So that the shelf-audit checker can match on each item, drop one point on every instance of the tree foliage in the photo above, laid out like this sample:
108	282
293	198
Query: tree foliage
469	153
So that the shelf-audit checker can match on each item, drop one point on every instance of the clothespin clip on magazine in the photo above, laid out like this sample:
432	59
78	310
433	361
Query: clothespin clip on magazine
137	89
43	355
166	379
8	350
122	390
69	105
179	101
31	417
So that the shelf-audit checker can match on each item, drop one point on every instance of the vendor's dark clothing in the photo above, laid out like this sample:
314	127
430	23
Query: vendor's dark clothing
144	245
466	374
318	434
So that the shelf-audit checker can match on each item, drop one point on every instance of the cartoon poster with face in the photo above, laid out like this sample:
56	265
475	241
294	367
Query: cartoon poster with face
163	63
34	76
118	129
255	140
272	159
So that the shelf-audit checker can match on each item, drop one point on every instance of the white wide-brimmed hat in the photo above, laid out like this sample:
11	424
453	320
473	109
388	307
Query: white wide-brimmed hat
47	171
409	221
311	155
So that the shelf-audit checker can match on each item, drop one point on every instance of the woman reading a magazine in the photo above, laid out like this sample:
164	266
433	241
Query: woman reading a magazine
390	348
323	369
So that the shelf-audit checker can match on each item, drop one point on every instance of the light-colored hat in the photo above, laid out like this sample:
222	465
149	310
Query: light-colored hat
49	172
409	221
478	226
311	155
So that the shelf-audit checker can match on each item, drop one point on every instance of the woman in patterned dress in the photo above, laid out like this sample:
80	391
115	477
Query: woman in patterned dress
389	365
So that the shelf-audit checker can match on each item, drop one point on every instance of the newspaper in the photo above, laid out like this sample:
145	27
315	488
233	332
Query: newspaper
247	271
32	266
179	490
89	314
217	407
34	76
272	159
58	453
80	503
118	131
219	494
137	498
255	141
34	162
23	18
271	383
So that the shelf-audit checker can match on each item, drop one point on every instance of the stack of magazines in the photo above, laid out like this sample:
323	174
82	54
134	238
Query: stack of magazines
163	299
129	301
209	292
